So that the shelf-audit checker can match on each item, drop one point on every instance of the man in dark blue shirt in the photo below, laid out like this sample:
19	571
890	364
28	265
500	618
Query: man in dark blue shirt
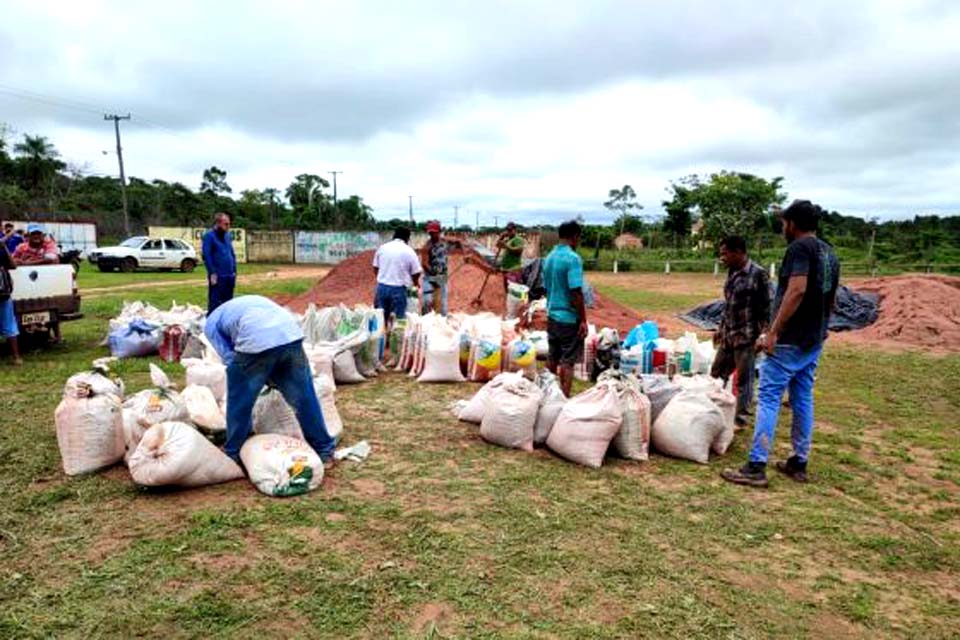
220	262
11	238
806	290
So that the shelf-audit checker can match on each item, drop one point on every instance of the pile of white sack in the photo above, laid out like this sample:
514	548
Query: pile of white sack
687	417
344	344
459	347
168	437
138	330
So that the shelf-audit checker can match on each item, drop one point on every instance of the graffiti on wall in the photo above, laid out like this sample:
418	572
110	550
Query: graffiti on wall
331	247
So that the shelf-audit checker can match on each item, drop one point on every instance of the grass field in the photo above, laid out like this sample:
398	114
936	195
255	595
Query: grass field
441	535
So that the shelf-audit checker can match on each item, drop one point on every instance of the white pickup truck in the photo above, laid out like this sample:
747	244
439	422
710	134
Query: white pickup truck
44	296
141	252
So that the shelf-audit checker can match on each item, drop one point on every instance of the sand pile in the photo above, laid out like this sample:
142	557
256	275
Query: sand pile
915	311
353	282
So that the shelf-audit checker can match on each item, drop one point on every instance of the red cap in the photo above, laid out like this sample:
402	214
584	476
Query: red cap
433	226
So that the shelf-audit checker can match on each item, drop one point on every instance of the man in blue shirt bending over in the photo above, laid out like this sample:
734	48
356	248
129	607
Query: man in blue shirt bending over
566	312
261	343
220	261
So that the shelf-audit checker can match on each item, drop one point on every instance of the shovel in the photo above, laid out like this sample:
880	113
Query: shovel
478	301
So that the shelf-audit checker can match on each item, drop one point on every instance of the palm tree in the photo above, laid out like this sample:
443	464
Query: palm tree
305	194
39	160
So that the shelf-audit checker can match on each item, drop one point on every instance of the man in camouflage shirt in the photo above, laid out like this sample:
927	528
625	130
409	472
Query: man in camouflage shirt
745	316
433	257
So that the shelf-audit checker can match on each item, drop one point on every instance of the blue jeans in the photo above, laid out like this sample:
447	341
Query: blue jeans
789	367
429	286
392	300
221	292
286	368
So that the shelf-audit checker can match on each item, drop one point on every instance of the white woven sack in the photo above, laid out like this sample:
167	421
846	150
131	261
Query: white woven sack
586	425
727	403
95	382
550	406
345	368
442	357
280	465
176	454
321	359
326	393
89	432
687	427
202	408
272	414
208	374
146	408
475	408
512	414
633	440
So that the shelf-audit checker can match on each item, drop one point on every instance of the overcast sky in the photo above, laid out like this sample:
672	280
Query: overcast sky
522	110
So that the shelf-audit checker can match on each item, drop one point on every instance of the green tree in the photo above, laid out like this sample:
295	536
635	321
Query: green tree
38	162
307	200
729	203
678	218
214	182
624	202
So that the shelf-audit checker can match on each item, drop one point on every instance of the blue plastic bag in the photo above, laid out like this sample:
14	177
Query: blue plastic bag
137	339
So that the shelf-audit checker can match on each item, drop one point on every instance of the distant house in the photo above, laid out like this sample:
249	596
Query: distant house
627	241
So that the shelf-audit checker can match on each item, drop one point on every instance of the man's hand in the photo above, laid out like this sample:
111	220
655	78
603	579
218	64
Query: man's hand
213	279
582	330
766	342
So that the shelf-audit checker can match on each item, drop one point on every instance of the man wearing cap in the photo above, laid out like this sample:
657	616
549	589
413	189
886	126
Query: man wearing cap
11	239
511	264
38	249
433	257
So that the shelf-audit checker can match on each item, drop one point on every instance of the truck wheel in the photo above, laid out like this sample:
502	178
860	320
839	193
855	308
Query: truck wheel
104	268
76	265
128	265
188	265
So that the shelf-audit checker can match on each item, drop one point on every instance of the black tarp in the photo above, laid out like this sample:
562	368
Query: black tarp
852	310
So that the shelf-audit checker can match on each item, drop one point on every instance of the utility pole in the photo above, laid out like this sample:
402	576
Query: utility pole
411	209
123	178
496	222
334	174
456	212
476	226
336	211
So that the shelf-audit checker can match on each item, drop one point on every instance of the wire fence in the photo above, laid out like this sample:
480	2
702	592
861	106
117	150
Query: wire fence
668	266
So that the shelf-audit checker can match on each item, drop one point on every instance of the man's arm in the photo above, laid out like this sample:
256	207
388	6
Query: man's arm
220	341
796	287
206	250
763	301
576	301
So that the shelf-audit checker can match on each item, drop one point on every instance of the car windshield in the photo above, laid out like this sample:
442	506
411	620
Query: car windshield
132	243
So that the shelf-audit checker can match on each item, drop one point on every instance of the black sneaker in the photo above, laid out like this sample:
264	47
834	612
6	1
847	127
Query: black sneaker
752	474
793	468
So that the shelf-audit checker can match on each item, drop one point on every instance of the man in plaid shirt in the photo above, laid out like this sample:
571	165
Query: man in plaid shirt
745	316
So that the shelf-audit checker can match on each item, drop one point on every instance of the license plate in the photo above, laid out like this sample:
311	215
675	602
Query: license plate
35	318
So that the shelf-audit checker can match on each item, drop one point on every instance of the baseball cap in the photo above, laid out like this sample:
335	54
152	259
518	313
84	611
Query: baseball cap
33	227
511	225
433	226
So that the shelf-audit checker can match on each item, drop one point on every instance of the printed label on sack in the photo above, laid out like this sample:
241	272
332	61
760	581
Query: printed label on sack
154	404
301	475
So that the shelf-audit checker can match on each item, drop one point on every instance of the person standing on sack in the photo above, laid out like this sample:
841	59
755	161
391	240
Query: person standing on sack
8	317
262	343
511	265
397	267
746	314
433	257
220	262
566	311
806	291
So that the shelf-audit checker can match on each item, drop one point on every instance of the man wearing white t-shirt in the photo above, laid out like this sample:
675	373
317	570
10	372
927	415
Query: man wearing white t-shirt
397	267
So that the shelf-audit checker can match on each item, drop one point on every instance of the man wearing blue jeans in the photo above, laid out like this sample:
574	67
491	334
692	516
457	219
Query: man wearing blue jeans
261	343
807	287
397	267
220	262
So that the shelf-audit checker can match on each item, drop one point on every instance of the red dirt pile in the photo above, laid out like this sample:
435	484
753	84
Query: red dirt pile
915	311
353	282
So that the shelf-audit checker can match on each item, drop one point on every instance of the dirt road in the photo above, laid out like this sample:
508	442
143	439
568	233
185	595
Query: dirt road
290	272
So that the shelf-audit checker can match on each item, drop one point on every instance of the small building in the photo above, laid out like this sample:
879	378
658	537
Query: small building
627	241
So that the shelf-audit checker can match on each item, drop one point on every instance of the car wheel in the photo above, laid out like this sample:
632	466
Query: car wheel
128	265
188	265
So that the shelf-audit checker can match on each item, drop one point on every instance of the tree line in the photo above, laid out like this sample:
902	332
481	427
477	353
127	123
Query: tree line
698	210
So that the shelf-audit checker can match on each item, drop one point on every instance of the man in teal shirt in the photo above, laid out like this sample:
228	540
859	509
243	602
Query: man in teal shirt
566	312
